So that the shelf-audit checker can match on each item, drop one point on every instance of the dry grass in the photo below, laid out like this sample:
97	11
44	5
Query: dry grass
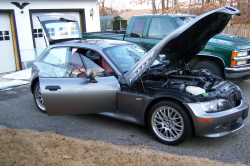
27	147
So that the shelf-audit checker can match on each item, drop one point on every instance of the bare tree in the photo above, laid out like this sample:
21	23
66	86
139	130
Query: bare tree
167	5
102	9
140	2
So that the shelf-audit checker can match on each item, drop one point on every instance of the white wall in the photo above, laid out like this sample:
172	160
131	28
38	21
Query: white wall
23	23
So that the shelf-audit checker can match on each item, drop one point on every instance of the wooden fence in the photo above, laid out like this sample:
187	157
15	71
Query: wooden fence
242	31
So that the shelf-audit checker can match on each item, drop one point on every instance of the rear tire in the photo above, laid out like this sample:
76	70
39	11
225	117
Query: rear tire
209	67
169	122
38	98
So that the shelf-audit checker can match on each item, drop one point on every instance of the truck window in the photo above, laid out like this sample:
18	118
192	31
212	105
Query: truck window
160	27
138	27
183	20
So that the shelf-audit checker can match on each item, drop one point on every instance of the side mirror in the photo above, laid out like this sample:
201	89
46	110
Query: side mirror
162	57
90	75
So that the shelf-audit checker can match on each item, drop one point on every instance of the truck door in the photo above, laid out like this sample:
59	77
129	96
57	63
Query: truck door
159	28
135	31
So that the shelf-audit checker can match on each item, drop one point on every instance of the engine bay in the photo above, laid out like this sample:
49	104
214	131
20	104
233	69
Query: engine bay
199	85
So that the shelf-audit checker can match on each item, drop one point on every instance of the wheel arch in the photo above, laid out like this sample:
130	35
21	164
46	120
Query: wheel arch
156	100
33	83
219	61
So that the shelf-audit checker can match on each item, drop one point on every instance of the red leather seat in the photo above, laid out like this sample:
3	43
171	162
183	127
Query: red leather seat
105	65
77	65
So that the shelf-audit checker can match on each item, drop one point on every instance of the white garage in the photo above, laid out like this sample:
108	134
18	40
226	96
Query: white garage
21	36
7	57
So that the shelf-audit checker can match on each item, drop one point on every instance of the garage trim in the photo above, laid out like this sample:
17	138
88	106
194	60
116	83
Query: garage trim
15	38
81	12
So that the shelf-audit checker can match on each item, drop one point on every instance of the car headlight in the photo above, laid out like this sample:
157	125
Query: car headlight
236	58
216	105
243	53
243	62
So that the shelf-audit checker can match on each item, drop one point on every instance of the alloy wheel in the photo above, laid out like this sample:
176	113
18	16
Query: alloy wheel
167	123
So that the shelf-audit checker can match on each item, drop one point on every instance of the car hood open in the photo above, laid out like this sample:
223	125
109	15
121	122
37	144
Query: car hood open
185	42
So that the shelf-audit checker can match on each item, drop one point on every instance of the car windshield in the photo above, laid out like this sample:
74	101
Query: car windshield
126	56
183	20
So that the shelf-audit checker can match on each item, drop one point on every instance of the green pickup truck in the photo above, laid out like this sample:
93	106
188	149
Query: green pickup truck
224	55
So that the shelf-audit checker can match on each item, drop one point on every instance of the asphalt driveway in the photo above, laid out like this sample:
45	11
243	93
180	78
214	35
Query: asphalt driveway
18	111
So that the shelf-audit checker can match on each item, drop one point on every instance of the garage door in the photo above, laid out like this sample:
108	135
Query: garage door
37	30
7	57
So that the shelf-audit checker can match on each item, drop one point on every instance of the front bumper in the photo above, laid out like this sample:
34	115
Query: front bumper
237	74
223	123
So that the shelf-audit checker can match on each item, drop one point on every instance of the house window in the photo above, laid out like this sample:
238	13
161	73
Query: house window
51	31
4	35
74	30
63	31
38	33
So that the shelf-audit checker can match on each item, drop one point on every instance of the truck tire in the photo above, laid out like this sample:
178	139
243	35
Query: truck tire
208	66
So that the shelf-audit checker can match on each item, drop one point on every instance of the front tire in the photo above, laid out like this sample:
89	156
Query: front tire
209	67
38	98
169	123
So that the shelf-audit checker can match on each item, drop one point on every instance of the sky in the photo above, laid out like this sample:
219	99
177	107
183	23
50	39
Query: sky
124	4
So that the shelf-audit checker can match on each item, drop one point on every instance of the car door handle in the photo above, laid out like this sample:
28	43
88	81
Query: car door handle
53	88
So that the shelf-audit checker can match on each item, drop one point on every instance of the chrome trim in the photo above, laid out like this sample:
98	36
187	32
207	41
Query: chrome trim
240	58
238	69
236	73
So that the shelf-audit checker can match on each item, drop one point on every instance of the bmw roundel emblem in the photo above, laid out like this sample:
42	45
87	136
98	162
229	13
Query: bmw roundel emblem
130	80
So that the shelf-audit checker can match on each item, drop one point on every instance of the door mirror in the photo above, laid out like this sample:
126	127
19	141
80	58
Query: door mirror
162	57
90	75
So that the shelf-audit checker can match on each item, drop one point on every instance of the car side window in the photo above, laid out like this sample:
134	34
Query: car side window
138	27
160	27
56	56
55	63
78	68
94	61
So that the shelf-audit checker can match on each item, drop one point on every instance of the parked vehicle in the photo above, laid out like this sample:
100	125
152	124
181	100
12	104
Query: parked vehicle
224	55
119	79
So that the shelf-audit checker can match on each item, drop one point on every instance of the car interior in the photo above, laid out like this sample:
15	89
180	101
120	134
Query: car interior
92	60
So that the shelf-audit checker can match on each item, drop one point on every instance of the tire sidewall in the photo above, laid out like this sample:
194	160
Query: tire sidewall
186	120
211	66
34	91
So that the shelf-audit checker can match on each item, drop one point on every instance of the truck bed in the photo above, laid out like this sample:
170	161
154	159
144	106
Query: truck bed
114	35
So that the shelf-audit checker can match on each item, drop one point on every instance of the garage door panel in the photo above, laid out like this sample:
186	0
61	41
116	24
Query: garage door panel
7	57
7	65
6	51
6	43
